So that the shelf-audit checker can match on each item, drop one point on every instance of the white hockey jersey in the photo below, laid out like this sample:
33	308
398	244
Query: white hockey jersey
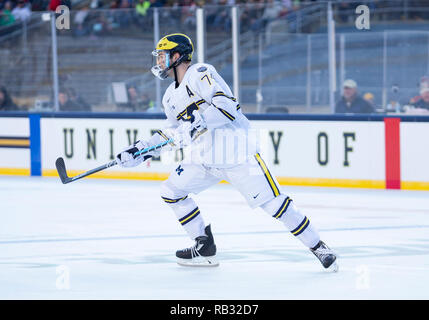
226	143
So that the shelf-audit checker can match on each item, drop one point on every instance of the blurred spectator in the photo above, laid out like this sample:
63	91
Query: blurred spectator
369	97
147	103
136	102
158	3
96	4
6	103
39	5
270	17
394	97
142	8
249	14
188	13
271	12
287	4
115	4
344	10
222	19
256	22
80	18
244	16
133	99
351	102
173	14
424	83
6	16
423	102
66	104
124	17
21	12
101	25
53	4
78	100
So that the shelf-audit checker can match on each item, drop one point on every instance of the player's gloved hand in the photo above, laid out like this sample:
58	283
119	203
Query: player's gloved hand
127	158
198	125
180	135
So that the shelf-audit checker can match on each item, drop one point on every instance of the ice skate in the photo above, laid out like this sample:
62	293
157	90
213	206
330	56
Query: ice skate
202	254
326	256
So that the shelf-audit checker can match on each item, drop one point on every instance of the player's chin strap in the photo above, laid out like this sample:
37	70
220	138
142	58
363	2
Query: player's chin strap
174	67
175	77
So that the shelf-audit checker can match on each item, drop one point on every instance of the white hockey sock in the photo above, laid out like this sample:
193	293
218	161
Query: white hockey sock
283	209
189	216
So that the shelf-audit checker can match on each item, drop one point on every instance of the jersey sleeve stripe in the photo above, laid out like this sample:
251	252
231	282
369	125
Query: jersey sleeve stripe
228	115
225	113
221	94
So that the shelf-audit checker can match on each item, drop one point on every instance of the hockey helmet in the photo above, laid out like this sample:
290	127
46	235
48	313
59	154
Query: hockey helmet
170	44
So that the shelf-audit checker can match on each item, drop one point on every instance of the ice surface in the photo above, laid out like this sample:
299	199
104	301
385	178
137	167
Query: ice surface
116	239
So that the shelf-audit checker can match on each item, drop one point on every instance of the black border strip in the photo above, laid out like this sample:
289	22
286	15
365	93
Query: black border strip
14	138
250	116
14	146
14	114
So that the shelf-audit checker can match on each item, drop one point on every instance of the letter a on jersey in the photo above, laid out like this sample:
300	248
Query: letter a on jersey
190	94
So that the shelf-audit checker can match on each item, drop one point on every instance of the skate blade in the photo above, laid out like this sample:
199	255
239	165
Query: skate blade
333	267
198	262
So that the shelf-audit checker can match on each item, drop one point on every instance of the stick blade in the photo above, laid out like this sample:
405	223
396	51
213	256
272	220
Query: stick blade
61	169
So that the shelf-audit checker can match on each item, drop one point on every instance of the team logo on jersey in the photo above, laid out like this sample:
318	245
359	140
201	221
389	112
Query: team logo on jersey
179	169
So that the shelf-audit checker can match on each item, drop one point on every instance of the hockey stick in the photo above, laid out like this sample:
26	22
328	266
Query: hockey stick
62	172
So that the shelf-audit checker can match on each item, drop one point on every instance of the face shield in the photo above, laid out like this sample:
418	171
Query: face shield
161	62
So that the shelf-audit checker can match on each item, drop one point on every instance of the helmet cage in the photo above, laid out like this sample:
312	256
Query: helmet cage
157	68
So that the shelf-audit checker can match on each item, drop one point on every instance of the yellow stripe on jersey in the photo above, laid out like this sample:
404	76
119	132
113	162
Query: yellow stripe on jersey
229	116
225	113
221	94
185	112
268	176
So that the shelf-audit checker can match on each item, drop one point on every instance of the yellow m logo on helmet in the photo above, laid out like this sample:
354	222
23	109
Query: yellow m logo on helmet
177	42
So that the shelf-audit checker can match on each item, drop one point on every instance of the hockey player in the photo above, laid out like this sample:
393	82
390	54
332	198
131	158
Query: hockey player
199	105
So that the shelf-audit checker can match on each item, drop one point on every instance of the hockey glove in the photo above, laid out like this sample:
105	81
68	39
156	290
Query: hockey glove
127	158
180	135
198	125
